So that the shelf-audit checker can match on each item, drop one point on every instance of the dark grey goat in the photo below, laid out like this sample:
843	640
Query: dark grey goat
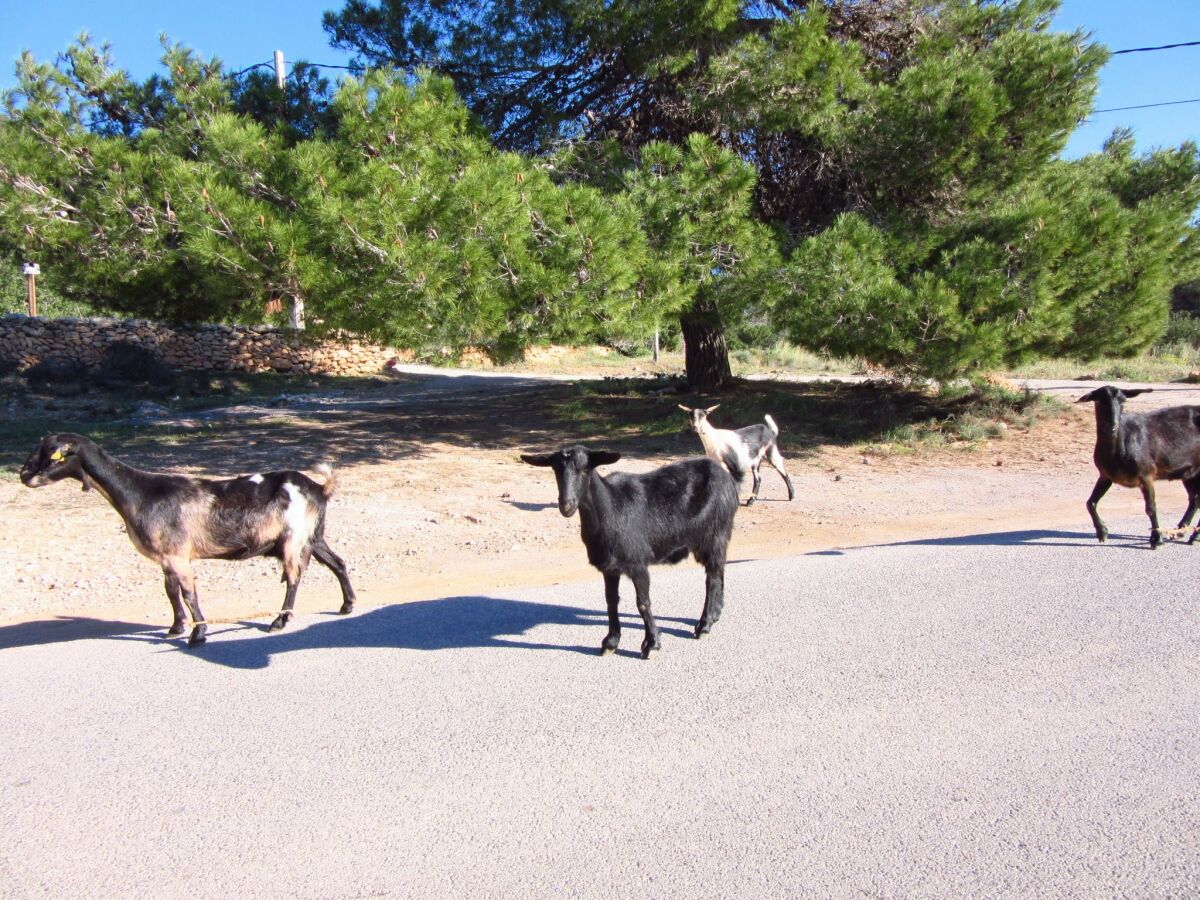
750	445
1135	450
630	521
173	519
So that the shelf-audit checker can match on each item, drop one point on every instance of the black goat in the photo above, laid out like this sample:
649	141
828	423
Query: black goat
173	519
1136	450
630	521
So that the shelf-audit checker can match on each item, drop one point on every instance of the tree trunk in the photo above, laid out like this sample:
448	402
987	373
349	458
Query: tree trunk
705	354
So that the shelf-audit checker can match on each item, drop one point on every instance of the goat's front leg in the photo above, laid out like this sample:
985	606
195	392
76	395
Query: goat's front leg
1151	513
1101	488
187	584
612	598
641	585
179	617
757	483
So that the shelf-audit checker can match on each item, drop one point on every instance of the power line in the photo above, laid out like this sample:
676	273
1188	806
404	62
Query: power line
1146	105
1163	47
1114	53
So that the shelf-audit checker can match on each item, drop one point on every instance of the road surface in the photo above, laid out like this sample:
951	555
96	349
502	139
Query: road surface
1007	714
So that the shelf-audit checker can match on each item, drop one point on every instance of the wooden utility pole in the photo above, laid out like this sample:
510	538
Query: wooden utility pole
32	271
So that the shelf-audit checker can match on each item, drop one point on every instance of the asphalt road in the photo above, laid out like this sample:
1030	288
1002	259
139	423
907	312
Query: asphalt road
998	715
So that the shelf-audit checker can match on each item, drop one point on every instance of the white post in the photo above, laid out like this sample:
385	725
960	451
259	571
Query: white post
298	313
279	74
656	346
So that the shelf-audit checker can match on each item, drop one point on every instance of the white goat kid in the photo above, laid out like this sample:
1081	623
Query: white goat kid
751	445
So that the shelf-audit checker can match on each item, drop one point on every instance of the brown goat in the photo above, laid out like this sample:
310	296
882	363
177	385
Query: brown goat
174	519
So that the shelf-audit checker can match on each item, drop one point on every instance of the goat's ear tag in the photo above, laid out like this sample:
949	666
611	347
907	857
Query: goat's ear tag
57	456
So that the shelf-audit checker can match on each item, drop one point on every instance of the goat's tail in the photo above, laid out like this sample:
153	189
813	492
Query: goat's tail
771	424
733	463
325	470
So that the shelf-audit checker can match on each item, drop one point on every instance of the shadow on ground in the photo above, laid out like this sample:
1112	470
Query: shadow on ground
448	623
383	421
1032	537
63	629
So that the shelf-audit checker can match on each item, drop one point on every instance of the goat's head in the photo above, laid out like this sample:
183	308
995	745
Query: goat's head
1109	394
56	458
573	471
698	416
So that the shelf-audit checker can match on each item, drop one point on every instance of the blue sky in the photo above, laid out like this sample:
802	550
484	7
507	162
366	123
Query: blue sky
247	32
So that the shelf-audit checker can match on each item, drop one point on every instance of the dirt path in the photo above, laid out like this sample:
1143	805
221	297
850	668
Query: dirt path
430	507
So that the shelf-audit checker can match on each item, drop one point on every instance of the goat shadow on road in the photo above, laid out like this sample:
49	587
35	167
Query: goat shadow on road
447	623
63	629
1031	537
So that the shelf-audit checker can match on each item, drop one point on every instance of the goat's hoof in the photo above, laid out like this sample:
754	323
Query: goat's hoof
347	608
702	628
279	624
609	645
176	629
750	502
648	648
198	637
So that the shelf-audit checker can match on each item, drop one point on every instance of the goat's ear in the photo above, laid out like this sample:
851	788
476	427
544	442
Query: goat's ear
602	458
711	408
1133	392
539	459
1088	397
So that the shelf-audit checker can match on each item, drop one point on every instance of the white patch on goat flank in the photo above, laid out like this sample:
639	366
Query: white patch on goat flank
299	520
297	514
258	479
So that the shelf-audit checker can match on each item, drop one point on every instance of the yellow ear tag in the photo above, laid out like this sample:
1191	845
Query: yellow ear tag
57	456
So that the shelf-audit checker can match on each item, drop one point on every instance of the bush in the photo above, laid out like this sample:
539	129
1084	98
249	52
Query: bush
1183	328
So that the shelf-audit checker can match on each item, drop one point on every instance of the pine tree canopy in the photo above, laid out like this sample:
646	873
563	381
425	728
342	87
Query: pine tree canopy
878	179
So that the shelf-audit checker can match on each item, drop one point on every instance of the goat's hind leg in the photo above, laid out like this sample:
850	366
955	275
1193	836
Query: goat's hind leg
1192	486
612	599
337	566
641	585
714	595
1101	488
293	571
775	458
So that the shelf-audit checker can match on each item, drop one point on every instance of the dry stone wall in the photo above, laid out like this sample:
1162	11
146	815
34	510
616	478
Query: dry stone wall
27	341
